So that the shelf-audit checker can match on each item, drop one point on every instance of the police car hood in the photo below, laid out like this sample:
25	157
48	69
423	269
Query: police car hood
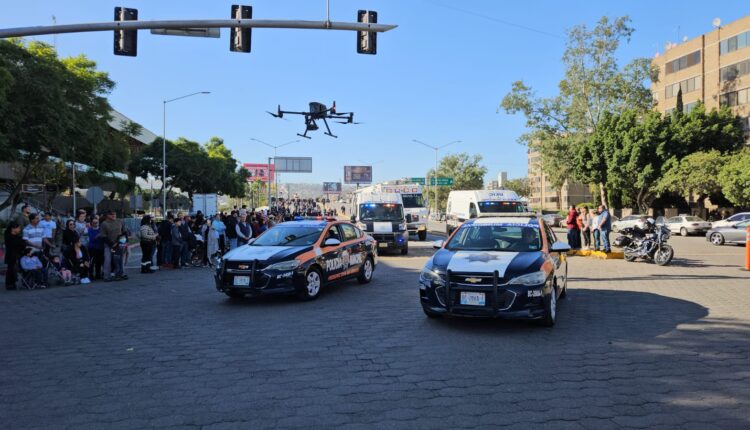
507	264
265	253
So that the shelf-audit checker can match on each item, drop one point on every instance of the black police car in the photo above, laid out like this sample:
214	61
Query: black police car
502	267
298	257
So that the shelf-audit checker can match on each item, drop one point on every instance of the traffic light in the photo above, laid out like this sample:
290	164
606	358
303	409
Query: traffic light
239	38
126	41
367	41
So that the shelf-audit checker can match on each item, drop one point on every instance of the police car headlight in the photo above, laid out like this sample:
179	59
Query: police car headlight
431	278
530	279
284	265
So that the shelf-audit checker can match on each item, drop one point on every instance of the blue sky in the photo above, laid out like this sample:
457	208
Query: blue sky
438	77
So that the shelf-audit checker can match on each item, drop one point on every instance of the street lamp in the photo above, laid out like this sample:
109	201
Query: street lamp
164	147
276	174
436	148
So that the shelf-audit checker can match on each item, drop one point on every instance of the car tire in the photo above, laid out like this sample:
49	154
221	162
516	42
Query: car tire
550	309
365	274
405	251
717	239
564	292
422	235
683	232
430	314
235	295
313	283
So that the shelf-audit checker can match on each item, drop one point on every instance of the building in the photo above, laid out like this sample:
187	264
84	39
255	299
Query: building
713	68
548	198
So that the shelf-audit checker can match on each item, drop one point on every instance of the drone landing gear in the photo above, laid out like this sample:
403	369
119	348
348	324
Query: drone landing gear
304	135
328	132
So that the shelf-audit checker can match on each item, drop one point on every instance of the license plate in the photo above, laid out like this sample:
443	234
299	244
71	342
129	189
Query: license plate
472	299
241	281
383	245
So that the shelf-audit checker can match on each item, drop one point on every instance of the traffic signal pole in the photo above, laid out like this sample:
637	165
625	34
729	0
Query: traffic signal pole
192	23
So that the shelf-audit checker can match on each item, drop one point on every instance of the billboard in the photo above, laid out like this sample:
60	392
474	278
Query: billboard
293	164
331	187
357	174
259	171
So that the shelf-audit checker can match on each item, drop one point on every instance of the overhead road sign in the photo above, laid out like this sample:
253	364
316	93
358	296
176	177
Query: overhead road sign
293	164
357	174
442	182
214	33
32	188
331	187
259	172
419	181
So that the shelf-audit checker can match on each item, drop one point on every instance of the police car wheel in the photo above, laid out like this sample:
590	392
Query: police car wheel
365	274
312	285
550	309
422	235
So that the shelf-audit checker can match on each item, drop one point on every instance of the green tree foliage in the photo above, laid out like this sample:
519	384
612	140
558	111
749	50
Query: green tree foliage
192	167
521	186
697	173
52	107
734	178
466	171
594	84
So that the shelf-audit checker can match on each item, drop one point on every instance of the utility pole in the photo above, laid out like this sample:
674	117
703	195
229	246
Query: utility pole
436	149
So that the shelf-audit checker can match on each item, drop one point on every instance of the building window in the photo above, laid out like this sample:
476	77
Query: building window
687	86
684	62
689	107
734	71
735	98
734	43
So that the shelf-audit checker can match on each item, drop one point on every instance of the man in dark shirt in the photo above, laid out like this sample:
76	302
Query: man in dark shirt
164	257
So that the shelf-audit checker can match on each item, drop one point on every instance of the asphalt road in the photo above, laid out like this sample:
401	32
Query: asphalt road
636	346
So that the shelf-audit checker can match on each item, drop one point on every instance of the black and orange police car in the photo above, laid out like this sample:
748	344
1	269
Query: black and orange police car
298	257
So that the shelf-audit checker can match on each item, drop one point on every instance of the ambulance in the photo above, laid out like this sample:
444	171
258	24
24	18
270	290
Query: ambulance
381	215
470	204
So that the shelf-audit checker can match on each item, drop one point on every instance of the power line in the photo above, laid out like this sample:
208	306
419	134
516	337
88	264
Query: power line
500	21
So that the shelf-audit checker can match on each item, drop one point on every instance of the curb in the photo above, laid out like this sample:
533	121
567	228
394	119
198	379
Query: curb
616	255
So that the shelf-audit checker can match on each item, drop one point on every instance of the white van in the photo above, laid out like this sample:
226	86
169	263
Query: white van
381	215
463	205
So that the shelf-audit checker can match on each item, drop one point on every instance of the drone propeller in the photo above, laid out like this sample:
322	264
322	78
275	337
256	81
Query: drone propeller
349	122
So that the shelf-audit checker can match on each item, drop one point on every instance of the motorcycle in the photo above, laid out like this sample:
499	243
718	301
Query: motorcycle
648	242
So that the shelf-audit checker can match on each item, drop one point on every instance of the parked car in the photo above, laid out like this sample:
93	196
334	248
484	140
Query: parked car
686	224
628	221
553	220
732	220
736	233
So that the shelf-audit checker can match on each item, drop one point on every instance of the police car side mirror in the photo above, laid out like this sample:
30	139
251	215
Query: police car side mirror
408	217
438	244
332	242
353	218
560	247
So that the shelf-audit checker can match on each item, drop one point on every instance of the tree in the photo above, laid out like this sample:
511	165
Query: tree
679	107
521	186
594	84
466	171
51	107
697	173
734	178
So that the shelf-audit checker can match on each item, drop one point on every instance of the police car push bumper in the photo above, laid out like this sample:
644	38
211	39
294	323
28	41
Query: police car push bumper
279	278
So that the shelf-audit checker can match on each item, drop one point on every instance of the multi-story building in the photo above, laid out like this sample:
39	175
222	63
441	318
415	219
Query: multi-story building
545	196
713	68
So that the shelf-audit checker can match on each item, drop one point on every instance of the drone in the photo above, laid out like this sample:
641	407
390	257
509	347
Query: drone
318	111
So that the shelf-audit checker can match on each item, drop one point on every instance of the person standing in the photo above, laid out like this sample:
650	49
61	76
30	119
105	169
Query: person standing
594	224
81	226
111	230
70	236
232	230
33	234
22	218
244	231
50	227
164	258
605	226
96	249
574	234
14	247
148	240
176	243
584	222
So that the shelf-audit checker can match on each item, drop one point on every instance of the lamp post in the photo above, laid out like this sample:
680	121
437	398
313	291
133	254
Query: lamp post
436	149
164	147
276	174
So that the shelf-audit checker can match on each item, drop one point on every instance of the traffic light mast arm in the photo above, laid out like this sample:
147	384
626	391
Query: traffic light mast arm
194	23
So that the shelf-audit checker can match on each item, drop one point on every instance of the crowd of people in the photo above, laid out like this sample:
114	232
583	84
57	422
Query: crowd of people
88	246
583	224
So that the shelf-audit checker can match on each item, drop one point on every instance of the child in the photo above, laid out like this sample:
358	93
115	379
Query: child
120	251
31	264
66	274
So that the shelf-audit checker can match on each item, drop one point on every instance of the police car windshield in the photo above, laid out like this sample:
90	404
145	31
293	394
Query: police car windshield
413	200
502	207
288	235
381	212
496	237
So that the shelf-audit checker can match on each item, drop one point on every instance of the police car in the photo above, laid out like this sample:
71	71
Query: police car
500	266
298	257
